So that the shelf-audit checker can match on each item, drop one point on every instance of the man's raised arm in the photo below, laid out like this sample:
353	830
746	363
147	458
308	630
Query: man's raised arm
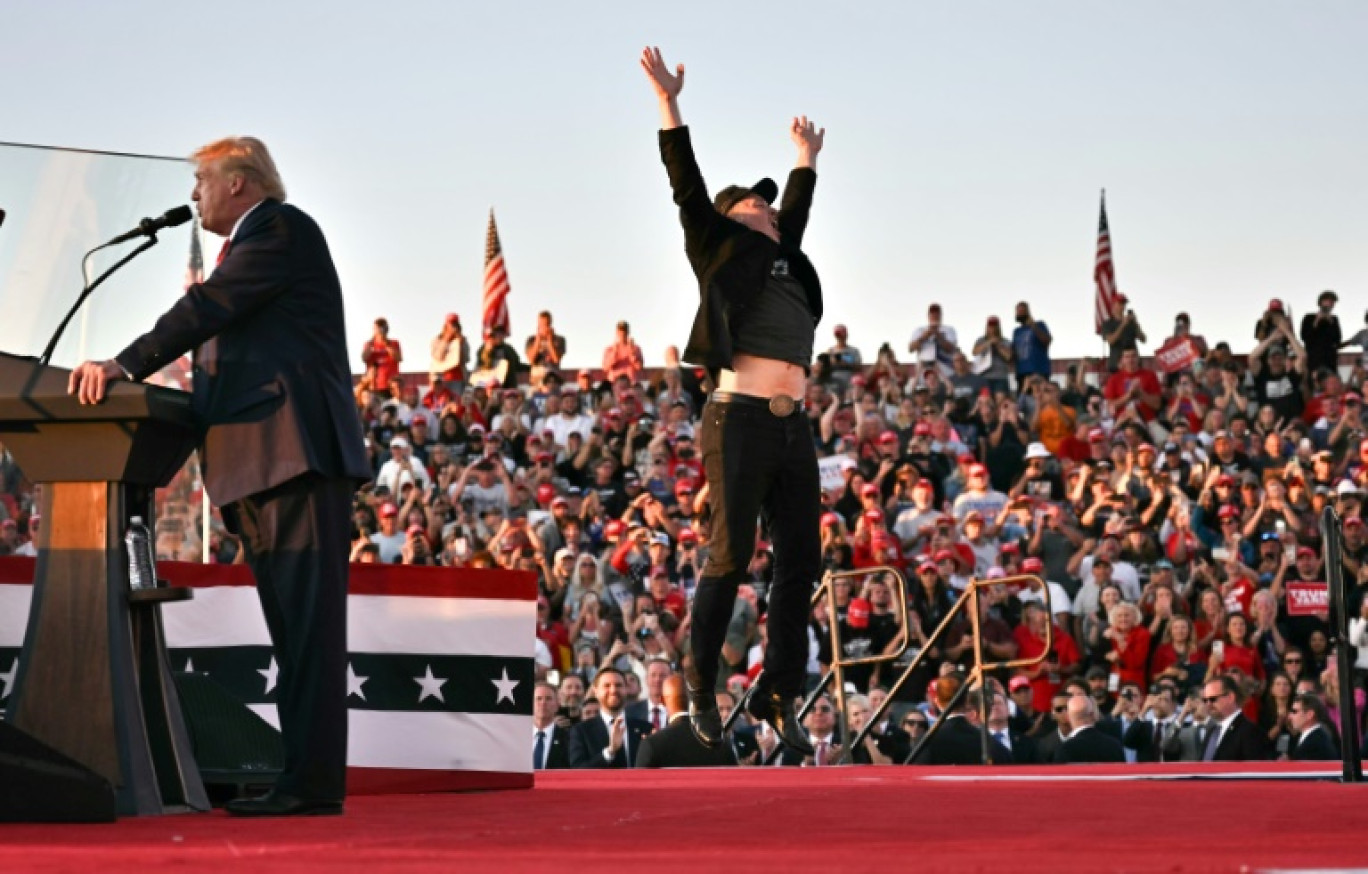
667	86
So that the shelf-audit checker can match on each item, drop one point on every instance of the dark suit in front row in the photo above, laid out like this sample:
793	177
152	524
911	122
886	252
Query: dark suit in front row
589	738
557	748
675	746
1316	745
1242	742
281	456
1090	745
959	742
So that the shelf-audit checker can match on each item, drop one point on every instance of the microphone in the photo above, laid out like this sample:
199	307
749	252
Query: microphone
178	215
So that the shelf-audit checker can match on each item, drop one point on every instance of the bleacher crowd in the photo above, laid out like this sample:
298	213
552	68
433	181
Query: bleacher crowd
1171	504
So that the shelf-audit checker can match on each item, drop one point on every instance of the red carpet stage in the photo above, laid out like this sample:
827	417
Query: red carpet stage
839	819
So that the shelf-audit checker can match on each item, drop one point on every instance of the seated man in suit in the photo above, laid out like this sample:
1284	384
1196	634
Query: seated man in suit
610	739
1049	743
741	738
654	708
859	709
1087	743
1313	736
675	746
1021	746
1235	739
957	738
1150	735
550	742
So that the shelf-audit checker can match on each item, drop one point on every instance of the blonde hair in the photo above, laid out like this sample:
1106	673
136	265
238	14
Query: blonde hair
248	156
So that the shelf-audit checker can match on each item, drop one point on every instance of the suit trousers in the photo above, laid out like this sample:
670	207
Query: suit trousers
296	540
759	466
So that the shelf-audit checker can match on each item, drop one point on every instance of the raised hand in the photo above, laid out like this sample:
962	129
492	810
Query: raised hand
667	86
806	136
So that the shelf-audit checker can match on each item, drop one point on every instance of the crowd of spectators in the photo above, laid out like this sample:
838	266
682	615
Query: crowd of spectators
1170	505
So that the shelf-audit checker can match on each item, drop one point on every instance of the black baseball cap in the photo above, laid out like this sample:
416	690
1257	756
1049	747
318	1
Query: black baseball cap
765	189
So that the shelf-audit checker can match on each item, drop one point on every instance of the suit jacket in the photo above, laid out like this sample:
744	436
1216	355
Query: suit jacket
742	743
1023	749
642	710
1047	745
675	746
1317	745
1242	742
589	739
1091	745
276	393
959	742
1188	743
558	748
731	261
1150	744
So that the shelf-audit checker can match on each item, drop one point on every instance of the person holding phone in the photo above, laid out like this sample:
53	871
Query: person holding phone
759	304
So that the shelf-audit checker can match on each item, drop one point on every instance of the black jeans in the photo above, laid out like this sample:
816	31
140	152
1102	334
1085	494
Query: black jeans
758	466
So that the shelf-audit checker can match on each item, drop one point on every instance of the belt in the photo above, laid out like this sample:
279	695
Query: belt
780	405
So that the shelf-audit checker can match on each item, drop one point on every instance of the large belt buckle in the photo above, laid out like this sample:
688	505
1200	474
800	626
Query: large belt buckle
782	405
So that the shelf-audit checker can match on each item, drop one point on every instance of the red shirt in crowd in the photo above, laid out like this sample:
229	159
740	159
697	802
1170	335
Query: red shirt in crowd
1046	684
1165	657
1120	383
383	357
1132	656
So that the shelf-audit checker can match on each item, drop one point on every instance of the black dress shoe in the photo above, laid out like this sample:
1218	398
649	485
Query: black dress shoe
779	712
704	718
706	725
275	804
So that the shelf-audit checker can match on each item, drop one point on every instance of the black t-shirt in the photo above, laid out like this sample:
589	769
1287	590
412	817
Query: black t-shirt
777	324
1282	393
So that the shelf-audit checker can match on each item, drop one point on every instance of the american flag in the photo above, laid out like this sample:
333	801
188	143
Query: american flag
194	269
1104	272
496	285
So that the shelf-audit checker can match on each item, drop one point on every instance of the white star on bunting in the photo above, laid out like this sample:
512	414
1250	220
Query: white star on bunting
270	672
354	683
431	686
8	678
505	687
189	666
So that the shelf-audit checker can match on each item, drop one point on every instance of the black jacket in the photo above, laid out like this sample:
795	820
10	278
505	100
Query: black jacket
959	742
558	749
1152	742
675	746
733	262
1242	742
275	393
1090	745
589	738
1318	746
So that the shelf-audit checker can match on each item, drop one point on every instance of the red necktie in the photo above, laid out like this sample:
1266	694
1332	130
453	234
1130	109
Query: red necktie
223	253
820	758
655	717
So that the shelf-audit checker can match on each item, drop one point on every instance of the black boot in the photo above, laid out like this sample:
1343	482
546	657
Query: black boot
779	712
704	717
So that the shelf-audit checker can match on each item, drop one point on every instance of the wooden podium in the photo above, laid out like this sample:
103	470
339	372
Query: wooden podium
93	681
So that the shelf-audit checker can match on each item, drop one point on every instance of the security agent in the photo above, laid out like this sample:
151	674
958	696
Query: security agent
759	304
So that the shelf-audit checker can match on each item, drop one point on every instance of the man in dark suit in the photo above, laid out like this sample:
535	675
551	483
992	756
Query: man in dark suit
1152	734
741	739
1049	742
675	746
611	739
1235	739
1087	743
958	738
550	742
1313	738
283	450
1022	747
759	304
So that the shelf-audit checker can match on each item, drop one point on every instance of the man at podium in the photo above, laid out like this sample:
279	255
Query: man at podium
282	449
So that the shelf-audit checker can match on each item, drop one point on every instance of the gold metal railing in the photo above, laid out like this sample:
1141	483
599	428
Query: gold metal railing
968	600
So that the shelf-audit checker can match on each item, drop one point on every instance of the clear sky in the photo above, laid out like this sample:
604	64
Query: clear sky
967	143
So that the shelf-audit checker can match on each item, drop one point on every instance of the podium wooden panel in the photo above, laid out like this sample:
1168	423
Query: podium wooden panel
94	682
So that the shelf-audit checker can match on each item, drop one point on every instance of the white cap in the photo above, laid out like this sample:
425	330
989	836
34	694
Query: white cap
1037	450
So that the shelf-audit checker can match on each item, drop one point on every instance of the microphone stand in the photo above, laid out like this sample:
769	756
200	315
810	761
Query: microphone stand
85	292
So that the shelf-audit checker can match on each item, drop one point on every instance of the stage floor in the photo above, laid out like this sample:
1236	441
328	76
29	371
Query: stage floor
1106	818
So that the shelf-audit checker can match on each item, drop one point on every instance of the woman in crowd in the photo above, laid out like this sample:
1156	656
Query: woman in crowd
1177	657
1130	645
